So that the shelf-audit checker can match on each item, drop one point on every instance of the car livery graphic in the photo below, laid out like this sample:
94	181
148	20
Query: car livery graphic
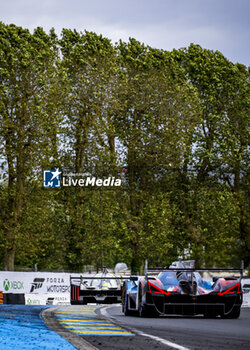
180	289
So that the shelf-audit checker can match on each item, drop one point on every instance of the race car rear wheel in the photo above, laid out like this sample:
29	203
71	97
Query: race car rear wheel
125	297
127	312
234	313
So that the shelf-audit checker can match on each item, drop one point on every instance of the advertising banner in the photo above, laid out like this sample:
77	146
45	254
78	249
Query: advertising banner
34	282
246	292
47	299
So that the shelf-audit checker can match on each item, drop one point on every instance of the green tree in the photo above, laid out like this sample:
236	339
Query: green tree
88	61
219	149
27	67
155	126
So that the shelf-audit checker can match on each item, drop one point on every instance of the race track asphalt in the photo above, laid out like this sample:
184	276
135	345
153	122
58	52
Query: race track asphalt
186	332
88	327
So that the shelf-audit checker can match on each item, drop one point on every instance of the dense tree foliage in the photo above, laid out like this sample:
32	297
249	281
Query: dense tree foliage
172	125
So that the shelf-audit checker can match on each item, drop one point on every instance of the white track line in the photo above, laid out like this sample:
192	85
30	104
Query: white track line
104	312
161	340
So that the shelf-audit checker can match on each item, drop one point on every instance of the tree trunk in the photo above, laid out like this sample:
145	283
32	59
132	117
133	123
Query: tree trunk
9	258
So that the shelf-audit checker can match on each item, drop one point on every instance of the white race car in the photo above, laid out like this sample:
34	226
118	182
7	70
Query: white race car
104	288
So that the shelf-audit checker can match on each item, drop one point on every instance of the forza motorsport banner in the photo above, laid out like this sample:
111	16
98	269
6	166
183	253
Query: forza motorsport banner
47	299
34	282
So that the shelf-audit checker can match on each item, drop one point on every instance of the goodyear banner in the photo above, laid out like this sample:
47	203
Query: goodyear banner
34	282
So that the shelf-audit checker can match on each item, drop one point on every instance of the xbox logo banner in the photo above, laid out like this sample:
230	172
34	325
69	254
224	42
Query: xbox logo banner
34	282
6	285
11	282
16	285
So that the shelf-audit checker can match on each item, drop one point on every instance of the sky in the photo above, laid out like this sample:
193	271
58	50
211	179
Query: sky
222	25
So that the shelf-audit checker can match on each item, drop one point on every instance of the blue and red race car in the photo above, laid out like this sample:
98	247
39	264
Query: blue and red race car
182	290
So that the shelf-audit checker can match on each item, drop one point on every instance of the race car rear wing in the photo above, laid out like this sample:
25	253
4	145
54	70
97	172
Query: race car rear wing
175	269
79	279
